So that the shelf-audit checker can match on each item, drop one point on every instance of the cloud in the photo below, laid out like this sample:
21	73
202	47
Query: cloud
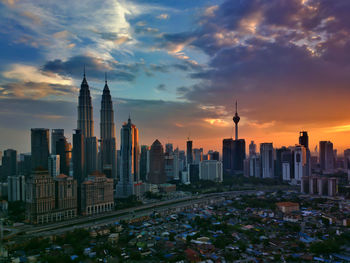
35	90
163	16
95	68
28	73
161	87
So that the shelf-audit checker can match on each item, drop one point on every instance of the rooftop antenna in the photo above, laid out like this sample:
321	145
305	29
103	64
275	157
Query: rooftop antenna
106	77
84	70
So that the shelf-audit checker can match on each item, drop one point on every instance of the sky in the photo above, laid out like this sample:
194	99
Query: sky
177	67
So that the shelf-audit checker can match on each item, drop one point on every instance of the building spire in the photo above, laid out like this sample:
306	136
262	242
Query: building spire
106	77
84	71
236	119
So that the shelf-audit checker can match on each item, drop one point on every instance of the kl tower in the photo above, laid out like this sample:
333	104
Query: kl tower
236	120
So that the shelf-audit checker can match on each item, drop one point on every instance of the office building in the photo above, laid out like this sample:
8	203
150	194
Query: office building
287	159
267	160
107	133
25	164
56	134
304	139
326	157
347	159
189	153
129	160
40	148
40	198
91	150
156	164
16	188
144	163
63	149
169	148
300	163
198	155
279	162
252	148
54	165
79	172
9	164
97	194
254	166
211	170
66	198
193	173
214	155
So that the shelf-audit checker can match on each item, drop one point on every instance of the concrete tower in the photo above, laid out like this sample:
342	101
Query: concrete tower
107	129
85	117
236	119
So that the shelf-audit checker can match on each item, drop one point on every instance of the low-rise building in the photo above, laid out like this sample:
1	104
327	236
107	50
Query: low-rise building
287	207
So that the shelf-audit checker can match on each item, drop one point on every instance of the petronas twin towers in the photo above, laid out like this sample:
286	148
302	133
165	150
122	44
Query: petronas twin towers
104	159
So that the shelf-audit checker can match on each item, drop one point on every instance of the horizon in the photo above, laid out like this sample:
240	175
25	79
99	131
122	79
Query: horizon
178	68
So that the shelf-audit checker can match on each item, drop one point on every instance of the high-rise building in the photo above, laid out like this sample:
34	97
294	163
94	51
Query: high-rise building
189	153
279	162
64	151
129	160
267	160
347	159
326	156
66	197
40	148
300	163
97	194
254	166
252	148
9	164
287	159
91	150
25	164
198	155
40	198
54	165
144	163
156	164
304	139
171	165
16	188
107	130
79	172
214	155
85	113
56	134
211	170
169	148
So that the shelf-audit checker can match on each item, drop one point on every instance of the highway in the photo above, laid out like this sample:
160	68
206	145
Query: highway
27	231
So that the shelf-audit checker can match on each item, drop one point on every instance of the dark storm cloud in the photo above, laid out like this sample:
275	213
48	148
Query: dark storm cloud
95	68
272	54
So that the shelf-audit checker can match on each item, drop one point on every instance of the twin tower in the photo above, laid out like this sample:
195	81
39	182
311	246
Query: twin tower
91	158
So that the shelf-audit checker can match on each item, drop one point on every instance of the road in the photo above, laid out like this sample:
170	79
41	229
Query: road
28	231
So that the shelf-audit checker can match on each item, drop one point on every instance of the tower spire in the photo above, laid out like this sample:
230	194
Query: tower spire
84	71
106	77
236	119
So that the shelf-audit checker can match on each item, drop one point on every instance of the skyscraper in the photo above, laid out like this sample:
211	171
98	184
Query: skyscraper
63	150
156	163
79	157
107	129
326	156
9	164
252	148
267	160
56	134
304	139
91	149
54	165
85	115
40	148
189	153
129	160
144	163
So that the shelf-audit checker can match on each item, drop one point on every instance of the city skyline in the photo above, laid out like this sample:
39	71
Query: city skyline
179	78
